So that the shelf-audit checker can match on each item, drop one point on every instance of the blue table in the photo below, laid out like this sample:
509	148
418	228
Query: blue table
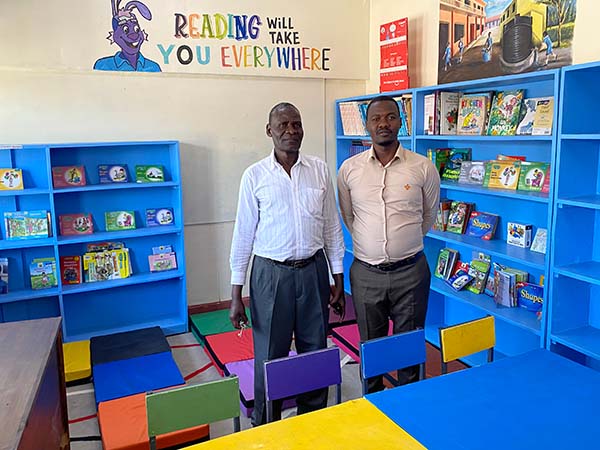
537	400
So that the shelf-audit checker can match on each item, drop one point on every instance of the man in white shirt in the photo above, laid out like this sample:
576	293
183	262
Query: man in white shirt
287	218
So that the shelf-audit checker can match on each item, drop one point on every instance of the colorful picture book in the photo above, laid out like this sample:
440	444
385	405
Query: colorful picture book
162	249
544	117
42	272
149	174
502	174
113	173
456	157
460	279
445	263
539	241
106	265
68	176
119	220
532	176
479	270
518	234
71	270
459	216
472	114
162	261
482	225
75	224
429	114
530	296
441	218
448	112
157	217
439	157
504	113
3	275
506	279
528	109
472	172
27	224
11	179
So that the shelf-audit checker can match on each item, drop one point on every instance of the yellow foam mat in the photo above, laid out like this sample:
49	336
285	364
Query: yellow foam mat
353	424
77	360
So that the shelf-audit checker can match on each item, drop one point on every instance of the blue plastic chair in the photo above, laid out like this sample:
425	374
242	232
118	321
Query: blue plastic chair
297	374
387	354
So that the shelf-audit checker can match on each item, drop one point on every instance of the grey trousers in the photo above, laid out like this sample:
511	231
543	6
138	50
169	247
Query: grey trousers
379	296
283	302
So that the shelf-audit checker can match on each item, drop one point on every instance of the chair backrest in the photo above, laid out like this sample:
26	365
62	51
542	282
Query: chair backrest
387	354
463	339
297	374
190	406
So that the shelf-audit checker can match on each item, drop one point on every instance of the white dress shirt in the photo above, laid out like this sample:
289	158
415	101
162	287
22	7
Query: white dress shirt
286	218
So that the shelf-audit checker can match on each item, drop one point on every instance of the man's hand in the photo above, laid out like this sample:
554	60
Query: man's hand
237	311
337	300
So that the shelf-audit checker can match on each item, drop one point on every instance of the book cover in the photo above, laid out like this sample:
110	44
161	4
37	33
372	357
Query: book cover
544	117
501	157
546	184
539	241
162	261
106	265
103	246
448	112
455	159
42	273
149	174
528	108
445	263
502	281
441	218
75	224
11	179
119	220
482	225
70	269
504	113
518	234
439	157
532	176
458	217
429	114
113	173
157	217
472	114
3	275
502	174
68	176
459	280
472	172
479	270
162	249
26	225
530	296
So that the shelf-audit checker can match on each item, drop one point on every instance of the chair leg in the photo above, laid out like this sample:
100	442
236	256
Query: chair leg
365	387
236	424
338	394
152	442
444	368
269	406
490	357
421	371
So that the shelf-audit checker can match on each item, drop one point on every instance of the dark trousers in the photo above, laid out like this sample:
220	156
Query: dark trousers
286	301
379	296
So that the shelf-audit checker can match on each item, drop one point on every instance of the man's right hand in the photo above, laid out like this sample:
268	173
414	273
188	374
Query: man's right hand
237	310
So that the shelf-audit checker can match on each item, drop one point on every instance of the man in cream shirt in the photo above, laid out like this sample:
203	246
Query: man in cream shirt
388	198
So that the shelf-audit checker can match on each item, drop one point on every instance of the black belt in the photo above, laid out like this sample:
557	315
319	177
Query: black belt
295	263
391	266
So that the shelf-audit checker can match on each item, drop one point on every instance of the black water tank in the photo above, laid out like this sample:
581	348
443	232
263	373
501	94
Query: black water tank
517	39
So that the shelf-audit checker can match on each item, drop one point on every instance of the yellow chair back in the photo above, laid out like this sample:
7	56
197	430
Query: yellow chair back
463	339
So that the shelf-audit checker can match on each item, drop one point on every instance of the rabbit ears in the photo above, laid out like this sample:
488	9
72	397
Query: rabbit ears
128	9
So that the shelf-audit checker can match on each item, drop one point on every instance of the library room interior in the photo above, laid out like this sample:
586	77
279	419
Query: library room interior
350	224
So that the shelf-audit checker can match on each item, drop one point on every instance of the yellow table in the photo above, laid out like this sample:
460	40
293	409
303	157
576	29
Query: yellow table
353	424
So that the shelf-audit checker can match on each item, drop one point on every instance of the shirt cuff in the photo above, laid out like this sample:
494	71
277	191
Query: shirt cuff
337	267
238	278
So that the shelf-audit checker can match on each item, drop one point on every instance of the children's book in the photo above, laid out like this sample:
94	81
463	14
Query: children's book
119	220
149	174
104	246
502	290
455	159
68	176
162	261
539	241
479	270
501	157
502	174
533	175
439	157
113	173
106	265
75	224
70	269
162	249
528	108
42	273
441	218
472	113
3	275
530	296
445	263
11	179
429	114
482	225
472	172
458	217
448	112
544	117
26	224
459	280
518	234
156	217
504	113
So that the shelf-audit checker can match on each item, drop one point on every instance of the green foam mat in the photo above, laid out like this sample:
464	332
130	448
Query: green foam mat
213	322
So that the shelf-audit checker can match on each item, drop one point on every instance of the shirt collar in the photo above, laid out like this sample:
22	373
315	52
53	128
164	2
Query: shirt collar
121	61
399	155
275	163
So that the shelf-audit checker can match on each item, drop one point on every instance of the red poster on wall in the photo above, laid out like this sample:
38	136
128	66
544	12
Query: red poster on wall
393	66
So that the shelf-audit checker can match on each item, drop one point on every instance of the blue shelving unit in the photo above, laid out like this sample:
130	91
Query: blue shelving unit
574	314
88	309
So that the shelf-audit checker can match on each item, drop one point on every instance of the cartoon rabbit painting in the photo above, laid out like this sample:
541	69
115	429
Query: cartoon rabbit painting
128	35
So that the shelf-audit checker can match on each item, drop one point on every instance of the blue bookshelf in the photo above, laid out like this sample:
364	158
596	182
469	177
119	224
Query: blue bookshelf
88	309
574	313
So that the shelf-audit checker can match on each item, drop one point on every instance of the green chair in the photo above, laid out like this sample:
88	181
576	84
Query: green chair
190	406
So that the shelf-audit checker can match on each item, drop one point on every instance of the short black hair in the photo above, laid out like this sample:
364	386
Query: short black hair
383	98
281	105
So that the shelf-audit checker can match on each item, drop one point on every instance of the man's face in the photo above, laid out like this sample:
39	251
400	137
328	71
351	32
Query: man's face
285	128
383	123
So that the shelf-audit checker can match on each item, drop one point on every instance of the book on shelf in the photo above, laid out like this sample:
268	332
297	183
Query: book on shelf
527	116
11	179
3	275
479	269
459	280
156	217
353	117
482	225
532	176
157	250
42	272
119	220
544	117
502	174
441	218
459	216
472	172
539	241
448	111
68	176
405	107
456	157
27	224
149	174
71	270
530	296
501	157
75	224
518	234
162	261
116	173
447	257
358	146
429	114
439	157
472	114
504	113
106	265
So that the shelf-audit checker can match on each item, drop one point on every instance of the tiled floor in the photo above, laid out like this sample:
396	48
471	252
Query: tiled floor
82	407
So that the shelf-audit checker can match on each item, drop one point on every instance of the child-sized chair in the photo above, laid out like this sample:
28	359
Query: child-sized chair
188	406
293	375
463	339
387	354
